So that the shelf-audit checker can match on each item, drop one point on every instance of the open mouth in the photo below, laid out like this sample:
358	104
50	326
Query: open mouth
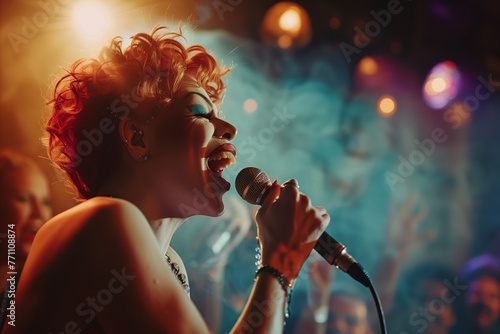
221	158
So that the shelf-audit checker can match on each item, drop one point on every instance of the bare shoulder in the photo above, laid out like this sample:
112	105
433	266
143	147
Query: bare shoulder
84	241
93	213
100	265
95	229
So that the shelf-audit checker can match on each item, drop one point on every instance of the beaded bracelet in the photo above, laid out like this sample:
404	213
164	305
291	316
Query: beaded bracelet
285	283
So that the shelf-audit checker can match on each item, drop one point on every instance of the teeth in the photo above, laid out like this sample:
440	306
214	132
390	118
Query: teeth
223	155
230	159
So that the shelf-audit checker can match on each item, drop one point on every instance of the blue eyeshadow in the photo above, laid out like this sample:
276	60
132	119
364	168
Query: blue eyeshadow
197	109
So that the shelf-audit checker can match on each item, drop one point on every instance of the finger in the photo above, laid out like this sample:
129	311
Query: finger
325	221
274	193
305	201
289	193
291	182
319	222
321	210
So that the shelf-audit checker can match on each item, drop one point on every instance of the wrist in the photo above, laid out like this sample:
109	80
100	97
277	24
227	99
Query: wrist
285	263
285	283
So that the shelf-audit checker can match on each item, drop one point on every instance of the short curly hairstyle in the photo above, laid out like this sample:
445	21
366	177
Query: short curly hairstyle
89	98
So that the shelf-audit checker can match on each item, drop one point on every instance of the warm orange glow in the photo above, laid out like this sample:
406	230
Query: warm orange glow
285	42
250	105
387	105
287	25
459	113
439	85
290	20
436	85
368	66
90	19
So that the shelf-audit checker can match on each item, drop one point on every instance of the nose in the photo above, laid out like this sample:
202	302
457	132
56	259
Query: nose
224	129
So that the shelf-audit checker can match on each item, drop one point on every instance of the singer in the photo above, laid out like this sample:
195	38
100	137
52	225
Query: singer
139	134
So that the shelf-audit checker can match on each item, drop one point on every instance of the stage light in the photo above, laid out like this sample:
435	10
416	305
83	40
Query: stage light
438	85
90	19
441	85
290	20
287	25
250	105
368	66
387	106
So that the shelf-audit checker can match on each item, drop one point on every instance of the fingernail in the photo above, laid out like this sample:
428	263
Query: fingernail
292	182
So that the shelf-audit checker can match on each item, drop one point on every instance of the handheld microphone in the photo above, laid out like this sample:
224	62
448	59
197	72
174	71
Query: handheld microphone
253	186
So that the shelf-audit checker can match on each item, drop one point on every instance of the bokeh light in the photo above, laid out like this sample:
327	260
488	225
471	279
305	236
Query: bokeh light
250	105
386	105
438	85
90	19
368	66
441	85
290	20
286	25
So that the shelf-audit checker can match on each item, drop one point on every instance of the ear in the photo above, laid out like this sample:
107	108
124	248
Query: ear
132	136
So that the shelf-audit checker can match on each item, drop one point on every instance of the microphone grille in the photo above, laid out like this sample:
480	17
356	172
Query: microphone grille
250	183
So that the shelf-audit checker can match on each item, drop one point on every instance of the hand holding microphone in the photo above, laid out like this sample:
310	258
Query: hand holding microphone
287	206
281	206
288	227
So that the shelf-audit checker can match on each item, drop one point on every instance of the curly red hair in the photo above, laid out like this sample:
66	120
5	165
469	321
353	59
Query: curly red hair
85	99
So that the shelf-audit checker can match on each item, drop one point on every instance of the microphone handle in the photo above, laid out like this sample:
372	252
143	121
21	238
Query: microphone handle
336	254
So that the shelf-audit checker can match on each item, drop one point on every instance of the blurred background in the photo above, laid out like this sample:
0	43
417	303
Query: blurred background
365	104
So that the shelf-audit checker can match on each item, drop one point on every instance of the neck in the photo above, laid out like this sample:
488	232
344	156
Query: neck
164	229
161	219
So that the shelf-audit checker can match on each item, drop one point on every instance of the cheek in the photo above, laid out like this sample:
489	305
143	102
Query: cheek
202	134
47	213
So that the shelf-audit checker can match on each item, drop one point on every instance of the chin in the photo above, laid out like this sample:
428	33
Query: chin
213	190
202	204
216	208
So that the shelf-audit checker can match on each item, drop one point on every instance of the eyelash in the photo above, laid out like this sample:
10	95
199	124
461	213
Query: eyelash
207	115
